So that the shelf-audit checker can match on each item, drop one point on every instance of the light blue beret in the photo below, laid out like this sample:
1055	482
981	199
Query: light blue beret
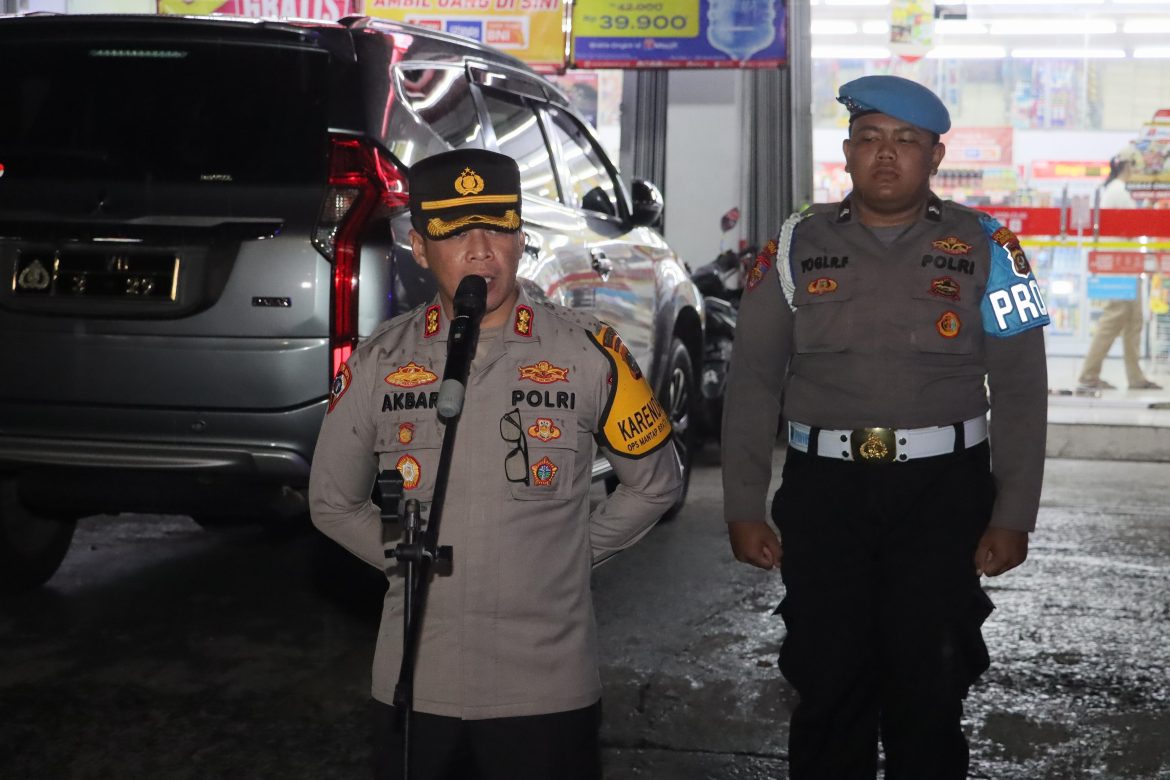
897	97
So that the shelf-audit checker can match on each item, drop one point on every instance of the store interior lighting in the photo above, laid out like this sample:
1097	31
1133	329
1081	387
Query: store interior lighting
1068	54
1146	26
1052	27
960	52
850	53
987	29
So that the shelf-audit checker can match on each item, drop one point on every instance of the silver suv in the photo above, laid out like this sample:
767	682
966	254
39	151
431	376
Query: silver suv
199	218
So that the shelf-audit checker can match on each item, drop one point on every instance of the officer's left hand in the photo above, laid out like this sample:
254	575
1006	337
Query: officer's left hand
1000	550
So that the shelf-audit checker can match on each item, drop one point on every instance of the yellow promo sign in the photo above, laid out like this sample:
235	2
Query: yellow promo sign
633	422
531	30
614	19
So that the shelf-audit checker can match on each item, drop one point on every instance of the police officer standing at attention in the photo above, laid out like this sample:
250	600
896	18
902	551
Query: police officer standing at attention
506	683
871	325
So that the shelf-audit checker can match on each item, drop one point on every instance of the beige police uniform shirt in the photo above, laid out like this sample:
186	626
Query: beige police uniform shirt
884	336
510	630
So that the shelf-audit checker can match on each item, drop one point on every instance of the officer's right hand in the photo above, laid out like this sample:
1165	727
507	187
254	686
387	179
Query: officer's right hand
755	543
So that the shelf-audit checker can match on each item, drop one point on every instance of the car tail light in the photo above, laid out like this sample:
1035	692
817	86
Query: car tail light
360	176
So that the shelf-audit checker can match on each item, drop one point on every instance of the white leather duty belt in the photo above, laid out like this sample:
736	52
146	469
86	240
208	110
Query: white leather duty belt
887	445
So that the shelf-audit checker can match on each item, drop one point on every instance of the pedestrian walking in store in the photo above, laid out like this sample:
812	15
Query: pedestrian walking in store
506	684
871	326
1118	317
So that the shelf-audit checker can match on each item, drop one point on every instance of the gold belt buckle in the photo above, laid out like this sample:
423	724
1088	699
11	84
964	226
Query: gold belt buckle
873	445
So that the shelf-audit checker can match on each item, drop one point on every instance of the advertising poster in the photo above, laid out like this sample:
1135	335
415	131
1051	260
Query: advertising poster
1150	180
679	34
326	10
530	30
911	28
979	146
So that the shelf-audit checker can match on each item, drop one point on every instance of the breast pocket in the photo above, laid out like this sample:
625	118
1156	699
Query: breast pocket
824	321
942	325
541	464
411	445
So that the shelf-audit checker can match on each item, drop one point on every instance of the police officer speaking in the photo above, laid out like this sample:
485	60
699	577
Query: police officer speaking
880	327
506	683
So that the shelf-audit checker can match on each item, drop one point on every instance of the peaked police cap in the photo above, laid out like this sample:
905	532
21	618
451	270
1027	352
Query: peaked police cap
464	189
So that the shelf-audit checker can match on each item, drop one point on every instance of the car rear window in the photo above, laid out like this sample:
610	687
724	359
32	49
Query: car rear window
208	111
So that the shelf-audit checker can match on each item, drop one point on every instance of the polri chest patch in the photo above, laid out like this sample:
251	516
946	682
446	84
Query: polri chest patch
543	372
411	375
544	429
945	287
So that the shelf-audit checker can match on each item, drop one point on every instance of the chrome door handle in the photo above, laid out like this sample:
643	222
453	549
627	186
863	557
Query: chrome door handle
601	264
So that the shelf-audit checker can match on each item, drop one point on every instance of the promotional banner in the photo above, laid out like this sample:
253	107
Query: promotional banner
326	10
679	34
1150	180
911	28
531	30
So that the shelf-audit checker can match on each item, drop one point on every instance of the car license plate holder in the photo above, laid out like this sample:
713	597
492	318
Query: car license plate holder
122	276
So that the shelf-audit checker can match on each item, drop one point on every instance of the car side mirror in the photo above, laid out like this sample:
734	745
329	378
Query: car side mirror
597	200
648	203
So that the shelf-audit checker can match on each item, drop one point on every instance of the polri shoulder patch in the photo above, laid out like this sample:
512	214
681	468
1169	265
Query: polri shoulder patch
764	262
633	422
340	384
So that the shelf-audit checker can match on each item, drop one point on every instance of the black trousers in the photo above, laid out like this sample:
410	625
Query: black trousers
558	746
883	611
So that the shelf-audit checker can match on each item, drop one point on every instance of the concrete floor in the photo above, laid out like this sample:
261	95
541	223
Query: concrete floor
164	651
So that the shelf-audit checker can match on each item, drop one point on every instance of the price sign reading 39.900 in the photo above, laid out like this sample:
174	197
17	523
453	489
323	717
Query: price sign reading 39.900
661	19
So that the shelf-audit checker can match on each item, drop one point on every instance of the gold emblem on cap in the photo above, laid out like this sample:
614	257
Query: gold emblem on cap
469	182
439	228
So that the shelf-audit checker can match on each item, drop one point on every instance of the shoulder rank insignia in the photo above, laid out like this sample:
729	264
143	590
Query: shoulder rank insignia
411	375
522	325
544	373
339	386
432	322
952	245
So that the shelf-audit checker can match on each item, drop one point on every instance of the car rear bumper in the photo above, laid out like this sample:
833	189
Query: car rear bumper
277	443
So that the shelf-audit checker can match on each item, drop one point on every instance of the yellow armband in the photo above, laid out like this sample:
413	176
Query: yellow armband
633	423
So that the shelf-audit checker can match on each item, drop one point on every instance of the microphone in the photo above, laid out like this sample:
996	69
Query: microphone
470	302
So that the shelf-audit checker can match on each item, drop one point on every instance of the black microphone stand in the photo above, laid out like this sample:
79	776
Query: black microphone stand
419	555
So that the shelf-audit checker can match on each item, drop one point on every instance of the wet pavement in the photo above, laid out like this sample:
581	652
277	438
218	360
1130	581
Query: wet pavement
165	651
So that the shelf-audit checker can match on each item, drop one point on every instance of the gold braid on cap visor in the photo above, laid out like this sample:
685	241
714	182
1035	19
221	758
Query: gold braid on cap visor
438	227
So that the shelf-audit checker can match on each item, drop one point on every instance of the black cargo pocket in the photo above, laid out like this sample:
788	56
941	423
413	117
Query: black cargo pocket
411	445
551	441
973	657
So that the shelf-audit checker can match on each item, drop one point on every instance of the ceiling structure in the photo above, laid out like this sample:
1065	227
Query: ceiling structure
985	29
